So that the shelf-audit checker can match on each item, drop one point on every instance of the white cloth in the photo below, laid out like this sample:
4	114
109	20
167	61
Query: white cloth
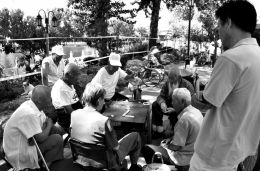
185	133
63	95
24	123
108	81
55	72
197	164
231	131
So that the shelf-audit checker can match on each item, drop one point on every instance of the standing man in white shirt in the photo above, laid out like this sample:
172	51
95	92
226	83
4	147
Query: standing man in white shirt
53	66
109	75
230	130
28	121
64	96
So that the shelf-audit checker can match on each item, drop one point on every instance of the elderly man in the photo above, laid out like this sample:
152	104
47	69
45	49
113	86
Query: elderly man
231	130
53	66
163	104
89	126
28	121
64	96
179	148
109	75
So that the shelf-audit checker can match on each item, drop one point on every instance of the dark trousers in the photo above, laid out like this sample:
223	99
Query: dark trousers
157	115
64	117
149	150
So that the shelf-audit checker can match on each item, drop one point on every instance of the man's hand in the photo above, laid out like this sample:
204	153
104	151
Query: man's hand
164	107
169	110
165	142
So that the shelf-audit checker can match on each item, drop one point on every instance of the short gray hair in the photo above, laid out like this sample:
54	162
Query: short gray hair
92	92
182	94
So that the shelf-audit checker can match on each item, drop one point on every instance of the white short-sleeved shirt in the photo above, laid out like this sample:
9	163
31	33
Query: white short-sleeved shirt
63	95
185	133
55	72
24	123
231	131
108	81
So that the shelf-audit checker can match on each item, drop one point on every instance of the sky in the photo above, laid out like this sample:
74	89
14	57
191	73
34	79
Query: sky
31	7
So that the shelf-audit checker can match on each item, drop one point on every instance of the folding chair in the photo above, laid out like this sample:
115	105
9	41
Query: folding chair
94	155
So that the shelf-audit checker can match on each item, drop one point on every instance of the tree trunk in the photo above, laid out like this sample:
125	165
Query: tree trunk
101	26
154	22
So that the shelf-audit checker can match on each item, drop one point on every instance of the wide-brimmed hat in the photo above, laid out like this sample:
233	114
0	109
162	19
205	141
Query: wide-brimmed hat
114	59
58	49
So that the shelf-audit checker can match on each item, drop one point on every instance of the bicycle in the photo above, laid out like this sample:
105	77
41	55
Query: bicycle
150	76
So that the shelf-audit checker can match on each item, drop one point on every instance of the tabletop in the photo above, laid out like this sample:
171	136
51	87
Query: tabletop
125	111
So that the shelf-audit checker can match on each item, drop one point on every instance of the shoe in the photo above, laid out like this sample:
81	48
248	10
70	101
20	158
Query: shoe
135	167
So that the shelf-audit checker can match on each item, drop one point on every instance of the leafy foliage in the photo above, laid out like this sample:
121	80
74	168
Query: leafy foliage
94	13
15	25
5	22
94	16
117	28
142	31
151	7
207	17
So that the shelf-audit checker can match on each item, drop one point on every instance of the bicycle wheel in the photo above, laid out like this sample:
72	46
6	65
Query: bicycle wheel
150	77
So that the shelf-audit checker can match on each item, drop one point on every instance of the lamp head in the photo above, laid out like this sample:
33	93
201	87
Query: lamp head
39	20
54	21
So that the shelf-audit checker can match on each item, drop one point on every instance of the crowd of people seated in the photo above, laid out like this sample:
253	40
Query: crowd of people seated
222	139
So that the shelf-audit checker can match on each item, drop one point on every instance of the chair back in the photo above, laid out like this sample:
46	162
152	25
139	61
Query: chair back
93	155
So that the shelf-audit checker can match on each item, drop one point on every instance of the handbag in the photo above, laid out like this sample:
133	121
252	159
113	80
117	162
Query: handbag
158	166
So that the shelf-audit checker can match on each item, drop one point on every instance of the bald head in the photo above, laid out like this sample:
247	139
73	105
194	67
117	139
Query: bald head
71	74
41	96
174	74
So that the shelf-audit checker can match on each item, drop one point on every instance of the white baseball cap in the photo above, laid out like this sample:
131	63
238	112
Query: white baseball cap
114	59
58	49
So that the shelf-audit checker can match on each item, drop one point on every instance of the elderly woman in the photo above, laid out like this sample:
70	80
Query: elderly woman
163	104
90	126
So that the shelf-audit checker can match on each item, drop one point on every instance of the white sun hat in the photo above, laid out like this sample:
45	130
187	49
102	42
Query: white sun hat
114	59
58	49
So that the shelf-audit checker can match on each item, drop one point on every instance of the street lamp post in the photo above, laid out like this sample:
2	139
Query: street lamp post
46	19
191	4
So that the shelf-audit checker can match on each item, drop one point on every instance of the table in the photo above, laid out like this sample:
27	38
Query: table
132	116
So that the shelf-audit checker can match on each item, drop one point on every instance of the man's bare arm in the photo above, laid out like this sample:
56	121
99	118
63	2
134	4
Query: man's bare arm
44	73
